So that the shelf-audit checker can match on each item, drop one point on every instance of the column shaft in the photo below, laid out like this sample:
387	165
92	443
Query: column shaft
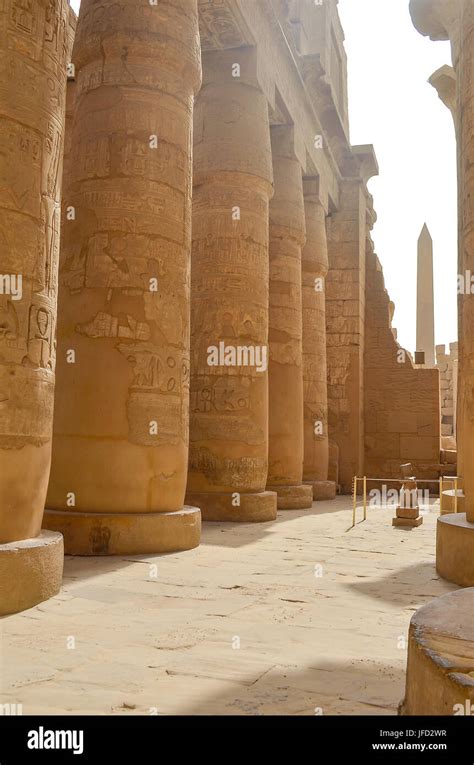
34	52
314	270
229	318
287	237
466	111
34	56
121	418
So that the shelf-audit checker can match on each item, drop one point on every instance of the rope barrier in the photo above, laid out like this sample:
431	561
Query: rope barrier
440	481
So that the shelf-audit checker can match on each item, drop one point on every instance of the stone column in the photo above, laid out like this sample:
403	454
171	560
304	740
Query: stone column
454	20
229	319
425	335
314	270
345	306
34	56
287	237
121	418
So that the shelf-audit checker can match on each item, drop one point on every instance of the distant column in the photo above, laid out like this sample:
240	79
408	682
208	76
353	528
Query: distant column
287	237
228	461
425	338
314	271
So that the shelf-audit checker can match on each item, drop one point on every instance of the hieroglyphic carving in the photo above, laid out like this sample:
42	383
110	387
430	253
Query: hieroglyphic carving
124	276
229	415
221	26
34	50
315	267
287	236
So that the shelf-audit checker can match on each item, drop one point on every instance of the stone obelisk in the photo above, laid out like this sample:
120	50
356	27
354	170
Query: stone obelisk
425	338
34	53
121	430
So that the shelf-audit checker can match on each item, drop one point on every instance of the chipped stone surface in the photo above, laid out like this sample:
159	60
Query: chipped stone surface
161	638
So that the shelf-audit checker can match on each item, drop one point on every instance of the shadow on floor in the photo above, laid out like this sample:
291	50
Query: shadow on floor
228	534
232	535
406	585
354	687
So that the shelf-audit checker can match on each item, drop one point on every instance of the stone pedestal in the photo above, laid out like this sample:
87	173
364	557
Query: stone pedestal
287	237
229	315
31	571
34	48
122	403
408	512
314	270
441	657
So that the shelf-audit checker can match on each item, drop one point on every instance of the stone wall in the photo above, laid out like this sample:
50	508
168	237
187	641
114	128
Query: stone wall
447	363
401	402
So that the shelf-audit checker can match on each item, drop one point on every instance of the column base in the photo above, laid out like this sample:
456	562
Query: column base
31	571
455	549
126	533
218	506
322	490
299	497
448	502
441	657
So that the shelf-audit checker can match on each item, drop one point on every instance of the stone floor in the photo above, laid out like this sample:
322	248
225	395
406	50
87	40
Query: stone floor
301	616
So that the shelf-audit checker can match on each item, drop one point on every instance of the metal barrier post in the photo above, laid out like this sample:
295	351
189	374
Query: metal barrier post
355	501
456	494
441	495
365	498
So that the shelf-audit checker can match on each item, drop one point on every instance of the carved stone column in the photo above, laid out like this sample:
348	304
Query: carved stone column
287	237
229	319
121	418
314	270
454	20
34	55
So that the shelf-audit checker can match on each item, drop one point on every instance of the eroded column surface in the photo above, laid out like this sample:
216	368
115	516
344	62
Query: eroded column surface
314	270
454	20
229	317
287	237
33	60
466	110
121	419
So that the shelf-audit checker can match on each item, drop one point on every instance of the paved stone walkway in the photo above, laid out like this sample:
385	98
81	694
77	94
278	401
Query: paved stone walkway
299	615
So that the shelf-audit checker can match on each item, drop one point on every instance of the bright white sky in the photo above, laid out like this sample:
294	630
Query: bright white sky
393	107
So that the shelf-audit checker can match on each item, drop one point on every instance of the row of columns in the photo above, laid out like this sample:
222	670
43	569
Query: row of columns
218	356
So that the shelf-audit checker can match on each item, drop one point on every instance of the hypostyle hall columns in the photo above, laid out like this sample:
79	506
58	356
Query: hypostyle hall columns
314	270
34	52
121	418
229	319
287	237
